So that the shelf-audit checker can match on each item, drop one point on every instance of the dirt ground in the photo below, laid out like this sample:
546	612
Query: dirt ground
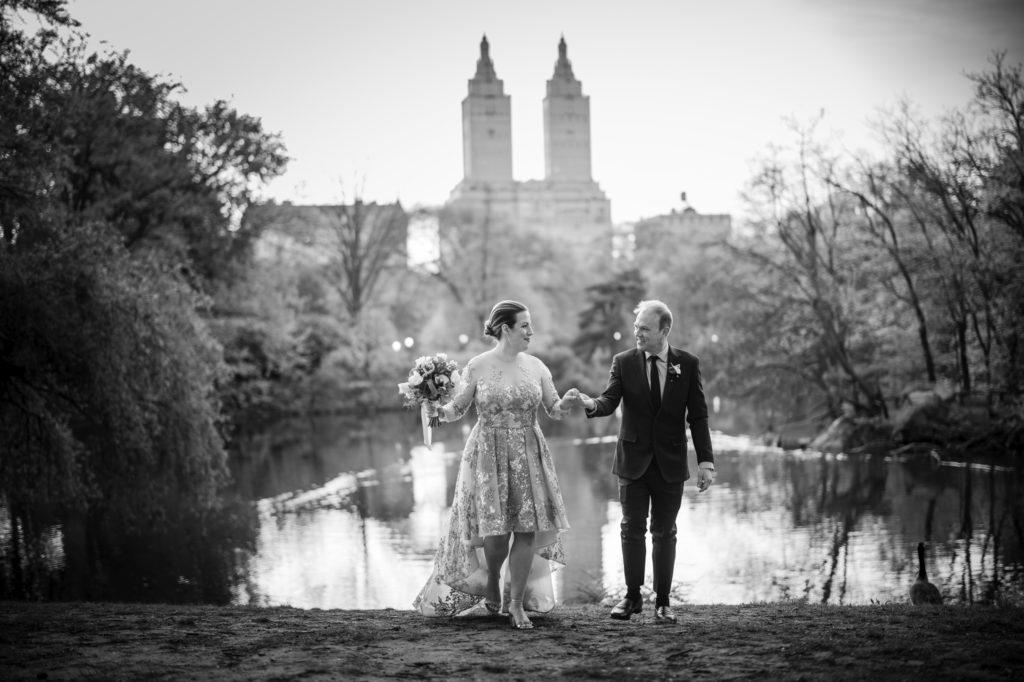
781	641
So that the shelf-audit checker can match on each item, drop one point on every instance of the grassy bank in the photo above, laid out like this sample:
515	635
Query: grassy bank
788	641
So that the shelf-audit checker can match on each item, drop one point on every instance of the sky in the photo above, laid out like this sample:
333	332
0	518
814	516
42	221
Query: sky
684	95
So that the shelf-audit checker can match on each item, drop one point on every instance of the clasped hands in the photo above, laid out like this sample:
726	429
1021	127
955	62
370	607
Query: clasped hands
573	398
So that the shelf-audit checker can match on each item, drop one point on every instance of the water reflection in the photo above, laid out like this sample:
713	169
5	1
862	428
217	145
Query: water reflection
186	555
350	512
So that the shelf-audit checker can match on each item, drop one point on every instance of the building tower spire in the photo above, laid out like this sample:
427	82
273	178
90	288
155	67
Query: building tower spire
486	125
566	124
563	67
484	65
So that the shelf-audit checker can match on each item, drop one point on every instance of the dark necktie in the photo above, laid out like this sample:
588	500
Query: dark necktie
655	384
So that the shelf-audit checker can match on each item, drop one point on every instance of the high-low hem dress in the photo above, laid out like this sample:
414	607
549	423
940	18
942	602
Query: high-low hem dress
506	484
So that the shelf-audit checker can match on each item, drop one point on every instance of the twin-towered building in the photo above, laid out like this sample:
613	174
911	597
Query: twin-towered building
567	203
566	206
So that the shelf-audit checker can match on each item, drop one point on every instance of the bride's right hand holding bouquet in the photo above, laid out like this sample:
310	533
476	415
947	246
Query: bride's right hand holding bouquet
432	380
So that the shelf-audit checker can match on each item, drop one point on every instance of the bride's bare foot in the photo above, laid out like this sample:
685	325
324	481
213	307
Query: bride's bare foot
505	599
517	616
493	599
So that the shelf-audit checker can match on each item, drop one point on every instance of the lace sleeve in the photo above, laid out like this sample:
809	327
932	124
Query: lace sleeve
465	391
549	396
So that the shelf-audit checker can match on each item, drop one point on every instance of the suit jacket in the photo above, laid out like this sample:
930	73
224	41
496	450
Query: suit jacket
644	435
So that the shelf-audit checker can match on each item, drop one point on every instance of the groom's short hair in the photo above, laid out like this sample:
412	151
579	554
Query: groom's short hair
660	309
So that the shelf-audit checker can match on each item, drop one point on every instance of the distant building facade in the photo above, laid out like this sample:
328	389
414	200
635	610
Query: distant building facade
567	204
313	235
683	226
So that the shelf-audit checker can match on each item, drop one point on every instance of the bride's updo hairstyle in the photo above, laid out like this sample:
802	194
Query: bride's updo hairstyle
502	313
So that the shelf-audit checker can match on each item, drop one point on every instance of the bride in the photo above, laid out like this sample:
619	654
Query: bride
506	486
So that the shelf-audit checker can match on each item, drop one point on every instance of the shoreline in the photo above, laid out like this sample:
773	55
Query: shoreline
783	641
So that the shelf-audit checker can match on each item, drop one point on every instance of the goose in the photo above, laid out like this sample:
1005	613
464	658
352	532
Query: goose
922	591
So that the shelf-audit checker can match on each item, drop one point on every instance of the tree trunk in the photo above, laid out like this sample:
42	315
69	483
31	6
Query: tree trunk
961	345
926	350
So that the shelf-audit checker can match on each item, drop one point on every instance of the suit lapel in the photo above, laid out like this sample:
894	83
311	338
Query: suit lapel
640	363
672	381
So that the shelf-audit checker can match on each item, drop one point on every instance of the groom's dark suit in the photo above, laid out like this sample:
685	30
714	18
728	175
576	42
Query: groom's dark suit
650	456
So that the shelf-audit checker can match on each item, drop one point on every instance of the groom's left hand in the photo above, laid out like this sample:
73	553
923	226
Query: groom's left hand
705	476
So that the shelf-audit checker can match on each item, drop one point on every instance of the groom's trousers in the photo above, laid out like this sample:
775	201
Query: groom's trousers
649	493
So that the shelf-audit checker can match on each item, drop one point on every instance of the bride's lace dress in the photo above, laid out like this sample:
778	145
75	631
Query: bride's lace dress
506	483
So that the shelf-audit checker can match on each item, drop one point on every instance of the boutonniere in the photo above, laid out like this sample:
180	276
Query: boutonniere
674	371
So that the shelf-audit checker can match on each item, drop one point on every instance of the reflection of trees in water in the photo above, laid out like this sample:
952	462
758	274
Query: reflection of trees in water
963	500
832	498
596	462
971	515
948	506
848	491
966	536
385	495
300	454
190	555
982	577
187	555
301	463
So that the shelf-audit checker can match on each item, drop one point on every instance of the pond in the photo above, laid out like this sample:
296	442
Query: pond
349	512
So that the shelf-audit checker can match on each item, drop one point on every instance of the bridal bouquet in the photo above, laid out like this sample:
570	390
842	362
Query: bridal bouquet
431	380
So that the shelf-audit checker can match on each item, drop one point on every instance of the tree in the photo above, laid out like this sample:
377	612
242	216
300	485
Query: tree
109	413
886	225
859	276
964	192
231	156
999	105
808	229
477	259
486	257
609	309
108	400
27	163
368	240
114	147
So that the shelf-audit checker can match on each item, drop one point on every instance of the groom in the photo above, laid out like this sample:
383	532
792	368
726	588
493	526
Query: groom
659	386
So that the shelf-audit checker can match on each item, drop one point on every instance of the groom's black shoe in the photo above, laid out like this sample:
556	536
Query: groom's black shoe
664	614
626	608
